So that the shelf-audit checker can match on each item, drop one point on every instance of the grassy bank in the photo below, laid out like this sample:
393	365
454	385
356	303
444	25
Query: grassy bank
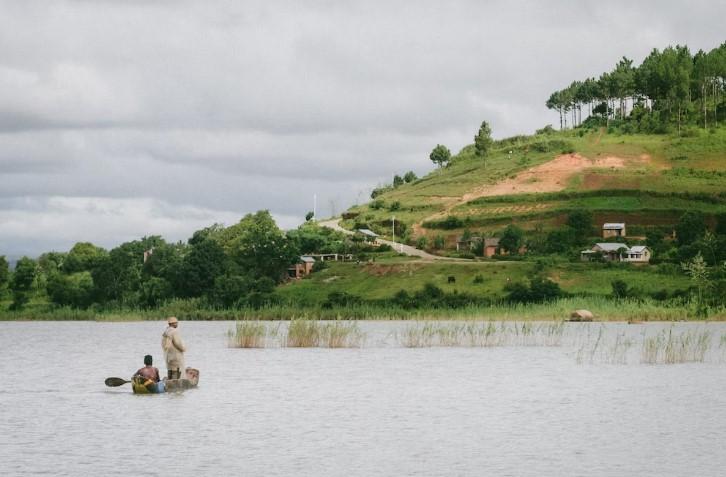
605	309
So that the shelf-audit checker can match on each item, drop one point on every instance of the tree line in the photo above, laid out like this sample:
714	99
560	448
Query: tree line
239	265
669	87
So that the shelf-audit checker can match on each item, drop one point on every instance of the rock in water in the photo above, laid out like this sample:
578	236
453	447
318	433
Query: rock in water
581	315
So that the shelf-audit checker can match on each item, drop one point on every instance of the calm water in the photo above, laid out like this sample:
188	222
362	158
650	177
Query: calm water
377	410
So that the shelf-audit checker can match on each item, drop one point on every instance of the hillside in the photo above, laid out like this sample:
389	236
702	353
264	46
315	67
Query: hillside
535	181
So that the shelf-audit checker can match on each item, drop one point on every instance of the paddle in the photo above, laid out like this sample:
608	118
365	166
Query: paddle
113	382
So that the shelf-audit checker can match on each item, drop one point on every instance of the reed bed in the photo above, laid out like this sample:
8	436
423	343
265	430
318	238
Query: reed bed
252	334
668	347
423	334
604	308
303	333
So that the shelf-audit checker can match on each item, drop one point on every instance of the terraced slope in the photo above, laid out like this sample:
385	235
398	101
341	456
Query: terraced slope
536	181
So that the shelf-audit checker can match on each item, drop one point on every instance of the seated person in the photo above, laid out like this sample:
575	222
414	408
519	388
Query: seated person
148	371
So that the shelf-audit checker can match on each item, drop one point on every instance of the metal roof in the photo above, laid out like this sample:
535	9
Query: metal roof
613	226
368	232
307	259
611	246
638	249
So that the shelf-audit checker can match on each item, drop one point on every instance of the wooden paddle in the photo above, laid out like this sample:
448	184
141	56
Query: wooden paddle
113	382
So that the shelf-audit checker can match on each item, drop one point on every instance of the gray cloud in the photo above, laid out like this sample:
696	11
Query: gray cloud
177	114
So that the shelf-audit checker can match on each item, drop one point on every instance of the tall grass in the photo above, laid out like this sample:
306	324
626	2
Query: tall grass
480	334
251	334
668	347
604	309
303	333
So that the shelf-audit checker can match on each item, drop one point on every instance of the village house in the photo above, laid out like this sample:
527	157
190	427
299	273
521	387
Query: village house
638	253
613	230
491	246
468	243
616	252
302	268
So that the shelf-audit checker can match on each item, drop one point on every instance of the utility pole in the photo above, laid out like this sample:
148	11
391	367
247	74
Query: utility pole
315	206
393	229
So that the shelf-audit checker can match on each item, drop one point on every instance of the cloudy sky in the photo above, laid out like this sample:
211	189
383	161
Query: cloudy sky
120	119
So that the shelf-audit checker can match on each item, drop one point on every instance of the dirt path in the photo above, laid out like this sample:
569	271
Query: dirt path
551	176
398	247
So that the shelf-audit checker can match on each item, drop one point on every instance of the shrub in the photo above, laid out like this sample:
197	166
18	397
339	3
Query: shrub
539	290
620	289
320	265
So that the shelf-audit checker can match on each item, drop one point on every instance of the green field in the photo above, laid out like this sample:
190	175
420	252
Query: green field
383	280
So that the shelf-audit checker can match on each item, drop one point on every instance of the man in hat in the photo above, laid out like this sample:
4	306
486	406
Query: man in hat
149	371
173	346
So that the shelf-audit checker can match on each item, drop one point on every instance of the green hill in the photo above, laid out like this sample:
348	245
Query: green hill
535	181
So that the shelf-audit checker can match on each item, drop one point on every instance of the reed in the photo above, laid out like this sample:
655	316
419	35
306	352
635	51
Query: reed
303	333
480	334
250	334
669	347
342	334
306	333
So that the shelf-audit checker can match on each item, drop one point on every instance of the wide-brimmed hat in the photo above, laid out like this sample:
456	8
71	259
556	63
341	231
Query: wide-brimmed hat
172	319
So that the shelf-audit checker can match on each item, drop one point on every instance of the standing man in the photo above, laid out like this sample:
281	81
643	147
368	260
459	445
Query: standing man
173	346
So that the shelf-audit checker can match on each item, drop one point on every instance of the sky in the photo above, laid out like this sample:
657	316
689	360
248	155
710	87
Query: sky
124	119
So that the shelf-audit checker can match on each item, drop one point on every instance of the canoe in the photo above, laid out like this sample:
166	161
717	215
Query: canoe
142	385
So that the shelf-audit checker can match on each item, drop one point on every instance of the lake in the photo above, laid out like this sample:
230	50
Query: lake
520	408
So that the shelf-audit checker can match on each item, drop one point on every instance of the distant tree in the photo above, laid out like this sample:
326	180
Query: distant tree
397	180
51	262
4	272
84	256
483	140
512	239
75	290
23	277
309	216
690	228
440	155
559	240
118	275
580	222
409	177
202	265
259	247
230	289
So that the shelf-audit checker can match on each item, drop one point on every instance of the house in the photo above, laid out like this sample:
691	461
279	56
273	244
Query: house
369	235
617	252
613	230
302	268
467	244
638	253
491	247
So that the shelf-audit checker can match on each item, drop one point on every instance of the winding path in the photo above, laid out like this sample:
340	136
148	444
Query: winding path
402	248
